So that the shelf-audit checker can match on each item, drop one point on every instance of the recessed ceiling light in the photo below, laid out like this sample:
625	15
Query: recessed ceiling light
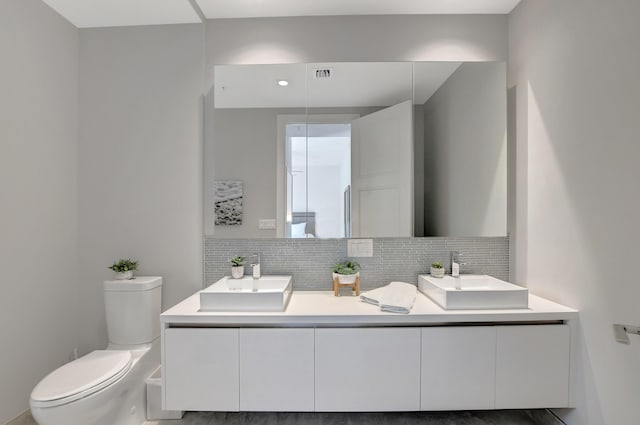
283	83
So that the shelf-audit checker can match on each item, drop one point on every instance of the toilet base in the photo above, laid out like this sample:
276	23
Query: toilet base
122	403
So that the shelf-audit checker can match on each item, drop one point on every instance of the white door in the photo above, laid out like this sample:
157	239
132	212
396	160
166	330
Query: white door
382	172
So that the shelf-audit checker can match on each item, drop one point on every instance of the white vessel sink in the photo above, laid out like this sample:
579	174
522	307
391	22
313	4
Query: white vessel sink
473	292
267	293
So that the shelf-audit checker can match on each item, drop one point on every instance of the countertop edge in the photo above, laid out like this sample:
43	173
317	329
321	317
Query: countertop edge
426	313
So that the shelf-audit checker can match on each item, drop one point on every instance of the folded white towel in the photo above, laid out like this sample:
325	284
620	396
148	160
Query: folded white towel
396	297
373	296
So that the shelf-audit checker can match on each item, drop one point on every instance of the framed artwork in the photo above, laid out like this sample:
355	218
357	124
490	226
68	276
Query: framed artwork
228	202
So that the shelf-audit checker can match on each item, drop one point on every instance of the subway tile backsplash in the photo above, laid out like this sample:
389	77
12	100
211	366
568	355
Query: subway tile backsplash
310	261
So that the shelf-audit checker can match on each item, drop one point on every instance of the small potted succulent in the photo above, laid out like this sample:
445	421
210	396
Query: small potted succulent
437	270
237	267
346	271
124	268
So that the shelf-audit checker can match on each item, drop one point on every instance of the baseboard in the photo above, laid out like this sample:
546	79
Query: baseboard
544	417
23	419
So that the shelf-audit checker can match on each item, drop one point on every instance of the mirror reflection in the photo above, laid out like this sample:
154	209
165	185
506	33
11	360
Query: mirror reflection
333	150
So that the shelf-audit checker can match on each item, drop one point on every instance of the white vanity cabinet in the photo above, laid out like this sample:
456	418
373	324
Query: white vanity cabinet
367	369
532	366
201	369
276	369
458	368
327	353
495	367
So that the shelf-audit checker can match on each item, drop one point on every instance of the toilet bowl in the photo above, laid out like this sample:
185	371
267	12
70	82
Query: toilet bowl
107	387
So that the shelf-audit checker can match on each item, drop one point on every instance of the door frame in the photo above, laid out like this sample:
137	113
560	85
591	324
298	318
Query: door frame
281	143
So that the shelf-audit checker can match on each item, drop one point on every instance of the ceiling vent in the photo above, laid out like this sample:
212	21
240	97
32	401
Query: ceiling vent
323	73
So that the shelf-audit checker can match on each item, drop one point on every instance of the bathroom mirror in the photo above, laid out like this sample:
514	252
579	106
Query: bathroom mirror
330	150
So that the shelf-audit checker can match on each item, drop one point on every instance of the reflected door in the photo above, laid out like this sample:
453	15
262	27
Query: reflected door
382	173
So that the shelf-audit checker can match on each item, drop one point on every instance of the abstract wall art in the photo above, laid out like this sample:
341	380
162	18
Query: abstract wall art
228	202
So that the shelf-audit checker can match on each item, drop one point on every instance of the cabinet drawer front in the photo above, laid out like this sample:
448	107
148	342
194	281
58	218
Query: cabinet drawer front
201	369
458	368
276	370
367	369
532	366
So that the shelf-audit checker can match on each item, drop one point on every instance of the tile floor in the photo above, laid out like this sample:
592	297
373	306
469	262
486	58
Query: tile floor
501	417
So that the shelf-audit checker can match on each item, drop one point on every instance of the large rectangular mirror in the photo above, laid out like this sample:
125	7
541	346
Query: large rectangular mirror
331	150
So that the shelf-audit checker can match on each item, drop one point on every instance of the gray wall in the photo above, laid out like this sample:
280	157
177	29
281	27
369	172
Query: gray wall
140	161
574	66
38	192
250	136
245	148
465	153
357	38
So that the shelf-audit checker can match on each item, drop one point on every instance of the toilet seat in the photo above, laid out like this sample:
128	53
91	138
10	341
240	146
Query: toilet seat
81	378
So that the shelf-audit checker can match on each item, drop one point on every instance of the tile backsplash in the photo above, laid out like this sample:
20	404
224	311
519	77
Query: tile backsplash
310	261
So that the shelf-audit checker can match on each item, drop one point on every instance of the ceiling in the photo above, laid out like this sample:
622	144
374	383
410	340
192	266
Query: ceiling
351	84
117	13
263	8
109	13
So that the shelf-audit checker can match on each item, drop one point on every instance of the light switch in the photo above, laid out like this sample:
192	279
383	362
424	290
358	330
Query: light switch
360	247
267	224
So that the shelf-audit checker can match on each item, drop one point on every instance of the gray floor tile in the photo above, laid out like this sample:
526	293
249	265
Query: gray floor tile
493	417
332	419
305	418
224	418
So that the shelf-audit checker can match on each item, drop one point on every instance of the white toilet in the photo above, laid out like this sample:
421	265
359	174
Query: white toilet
107	387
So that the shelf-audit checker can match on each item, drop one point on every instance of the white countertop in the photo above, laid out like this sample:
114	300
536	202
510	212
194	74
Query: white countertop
311	308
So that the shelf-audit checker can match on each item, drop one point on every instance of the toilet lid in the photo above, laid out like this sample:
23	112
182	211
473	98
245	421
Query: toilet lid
81	377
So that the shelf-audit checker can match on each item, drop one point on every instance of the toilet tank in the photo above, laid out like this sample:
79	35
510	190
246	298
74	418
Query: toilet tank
132	309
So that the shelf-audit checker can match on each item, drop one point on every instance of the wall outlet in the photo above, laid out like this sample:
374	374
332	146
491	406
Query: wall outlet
360	248
267	224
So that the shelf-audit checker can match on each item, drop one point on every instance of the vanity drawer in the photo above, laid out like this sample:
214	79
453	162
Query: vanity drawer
276	370
201	369
367	369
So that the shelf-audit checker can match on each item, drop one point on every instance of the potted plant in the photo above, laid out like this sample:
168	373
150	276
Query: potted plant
124	268
237	267
437	270
346	271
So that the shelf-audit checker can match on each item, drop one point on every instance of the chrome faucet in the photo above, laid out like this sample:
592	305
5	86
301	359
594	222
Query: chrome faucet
455	263
455	269
255	267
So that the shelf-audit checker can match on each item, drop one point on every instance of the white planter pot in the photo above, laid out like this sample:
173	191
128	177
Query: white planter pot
437	272
237	272
124	275
346	278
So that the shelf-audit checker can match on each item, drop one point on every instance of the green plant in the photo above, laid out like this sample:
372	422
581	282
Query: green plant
346	267
237	261
121	266
436	265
